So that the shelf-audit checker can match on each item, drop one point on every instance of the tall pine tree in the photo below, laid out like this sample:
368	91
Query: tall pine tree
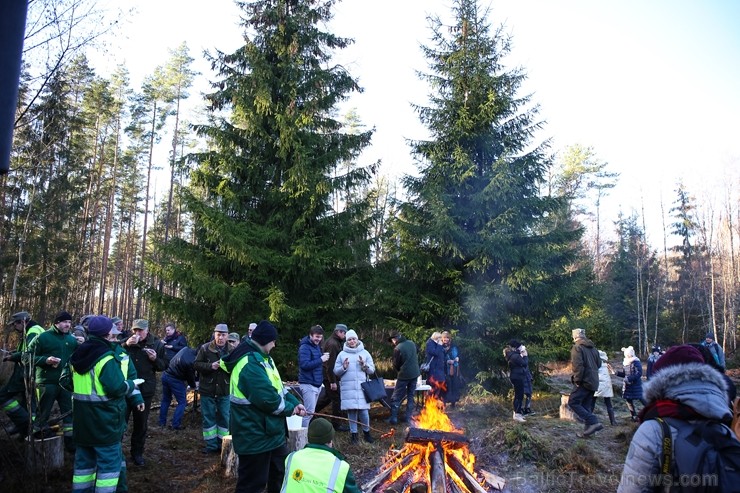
266	241
481	248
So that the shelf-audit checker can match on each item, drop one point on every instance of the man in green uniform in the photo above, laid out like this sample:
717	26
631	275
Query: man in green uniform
259	405
49	353
318	467
13	396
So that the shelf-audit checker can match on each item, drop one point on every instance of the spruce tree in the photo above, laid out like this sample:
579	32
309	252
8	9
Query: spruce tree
266	242
481	249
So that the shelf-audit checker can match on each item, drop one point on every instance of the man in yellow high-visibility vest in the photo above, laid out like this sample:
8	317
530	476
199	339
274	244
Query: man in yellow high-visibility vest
259	405
318	468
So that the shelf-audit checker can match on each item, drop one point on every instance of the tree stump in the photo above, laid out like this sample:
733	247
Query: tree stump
229	458
44	455
566	413
297	439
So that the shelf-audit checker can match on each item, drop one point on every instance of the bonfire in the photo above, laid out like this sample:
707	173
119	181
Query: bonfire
435	457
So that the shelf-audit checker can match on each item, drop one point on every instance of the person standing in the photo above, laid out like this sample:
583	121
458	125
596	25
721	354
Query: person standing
214	389
318	467
406	363
14	399
333	345
517	377
310	369
585	360
528	382
146	352
259	405
178	374
100	392
173	341
632	384
435	356
452	374
655	353
353	366
716	349
50	352
605	387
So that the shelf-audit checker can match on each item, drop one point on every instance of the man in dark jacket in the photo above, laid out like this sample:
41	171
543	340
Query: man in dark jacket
310	369
584	358
214	389
259	405
147	355
173	341
174	379
406	363
333	346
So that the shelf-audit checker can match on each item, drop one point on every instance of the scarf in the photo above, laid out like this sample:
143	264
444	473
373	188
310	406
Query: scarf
667	408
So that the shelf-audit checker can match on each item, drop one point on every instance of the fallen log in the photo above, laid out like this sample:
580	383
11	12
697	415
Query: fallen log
400	484
494	481
465	476
420	435
437	476
385	473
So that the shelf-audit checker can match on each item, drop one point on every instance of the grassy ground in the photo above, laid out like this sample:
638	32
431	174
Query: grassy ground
541	455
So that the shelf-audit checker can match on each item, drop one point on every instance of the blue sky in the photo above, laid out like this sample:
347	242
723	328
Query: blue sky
652	85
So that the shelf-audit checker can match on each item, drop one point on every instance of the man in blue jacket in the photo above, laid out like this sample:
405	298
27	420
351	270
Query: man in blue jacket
311	370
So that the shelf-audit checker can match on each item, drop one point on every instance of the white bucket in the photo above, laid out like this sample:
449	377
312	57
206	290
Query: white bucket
295	422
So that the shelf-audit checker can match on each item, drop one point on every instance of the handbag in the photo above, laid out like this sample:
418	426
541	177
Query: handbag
424	367
374	389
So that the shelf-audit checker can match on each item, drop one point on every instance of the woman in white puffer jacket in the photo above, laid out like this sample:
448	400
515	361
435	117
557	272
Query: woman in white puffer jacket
353	366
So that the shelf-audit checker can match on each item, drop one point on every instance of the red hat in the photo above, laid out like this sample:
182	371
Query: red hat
678	355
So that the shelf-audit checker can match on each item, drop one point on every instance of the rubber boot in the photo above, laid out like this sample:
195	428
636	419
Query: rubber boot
353	438
368	437
610	412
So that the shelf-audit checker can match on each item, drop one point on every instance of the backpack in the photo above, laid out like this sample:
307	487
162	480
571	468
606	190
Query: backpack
707	458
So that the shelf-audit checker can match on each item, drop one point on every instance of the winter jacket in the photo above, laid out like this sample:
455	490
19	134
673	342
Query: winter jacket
717	352
102	421
20	358
181	366
696	385
405	359
605	383
56	343
435	355
517	364
333	345
584	358
146	368
632	383
652	359
213	383
177	341
323	455
351	379
310	366
259	401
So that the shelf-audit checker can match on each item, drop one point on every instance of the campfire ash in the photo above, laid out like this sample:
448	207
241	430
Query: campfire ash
435	457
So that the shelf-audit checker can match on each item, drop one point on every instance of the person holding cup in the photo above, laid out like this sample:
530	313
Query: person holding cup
147	354
311	370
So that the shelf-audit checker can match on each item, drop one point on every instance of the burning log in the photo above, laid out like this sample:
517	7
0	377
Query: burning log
419	487
400	484
437	476
384	474
421	435
468	479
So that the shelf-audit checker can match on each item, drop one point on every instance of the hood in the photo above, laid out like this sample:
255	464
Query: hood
360	347
584	341
246	346
306	341
88	353
696	385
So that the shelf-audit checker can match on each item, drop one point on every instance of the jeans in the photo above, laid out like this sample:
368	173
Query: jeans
518	384
310	395
257	470
215	412
364	416
580	402
172	386
333	397
404	389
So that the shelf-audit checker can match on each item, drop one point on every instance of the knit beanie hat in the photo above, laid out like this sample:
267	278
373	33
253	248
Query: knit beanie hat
629	352
578	334
351	334
678	355
320	431
709	336
264	333
99	326
340	328
62	317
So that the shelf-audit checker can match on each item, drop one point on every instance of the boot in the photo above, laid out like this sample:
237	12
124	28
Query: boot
612	421
368	437
353	438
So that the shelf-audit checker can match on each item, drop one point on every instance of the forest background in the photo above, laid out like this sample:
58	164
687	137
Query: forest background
271	209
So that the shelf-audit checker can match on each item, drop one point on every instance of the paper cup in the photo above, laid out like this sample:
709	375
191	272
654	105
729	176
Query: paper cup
295	422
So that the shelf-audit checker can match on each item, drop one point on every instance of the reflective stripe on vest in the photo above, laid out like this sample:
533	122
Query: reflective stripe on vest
309	470
31	331
238	397
88	387
124	364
